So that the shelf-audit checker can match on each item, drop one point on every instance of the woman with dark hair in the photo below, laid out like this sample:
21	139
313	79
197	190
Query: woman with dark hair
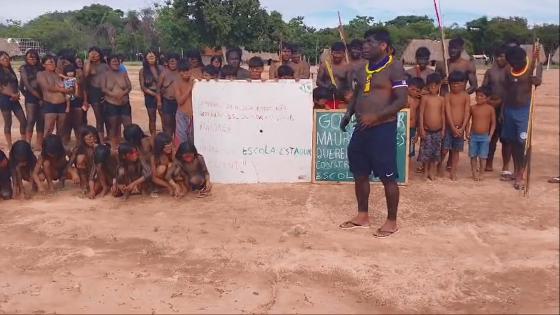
168	100
9	98
22	164
53	95
94	71
194	60
116	87
79	63
149	76
216	62
52	165
30	89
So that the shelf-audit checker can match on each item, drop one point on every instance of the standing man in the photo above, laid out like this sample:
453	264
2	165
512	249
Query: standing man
421	69
285	60
233	58
380	93
517	103
355	52
495	78
457	63
302	66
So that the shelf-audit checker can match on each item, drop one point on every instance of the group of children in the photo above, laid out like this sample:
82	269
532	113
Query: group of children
141	164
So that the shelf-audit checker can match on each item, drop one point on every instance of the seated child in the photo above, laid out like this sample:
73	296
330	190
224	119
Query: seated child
324	98
82	155
480	131
5	177
52	164
210	73
256	68
229	72
22	164
162	159
132	172
135	136
103	171
285	72
189	170
432	125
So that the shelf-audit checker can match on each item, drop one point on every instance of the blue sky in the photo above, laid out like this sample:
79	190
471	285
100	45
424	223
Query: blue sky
321	13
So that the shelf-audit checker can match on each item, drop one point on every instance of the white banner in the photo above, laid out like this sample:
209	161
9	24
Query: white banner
255	132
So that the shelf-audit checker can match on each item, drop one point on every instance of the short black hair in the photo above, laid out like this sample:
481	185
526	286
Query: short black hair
194	54
356	43
47	57
125	149
211	70
322	93
457	42
379	34
229	70
288	46
516	55
416	82
185	148
114	56
285	71
338	46
457	76
183	66
433	78
486	90
500	50
234	50
133	134
255	62
101	153
69	68
170	56
52	145
423	52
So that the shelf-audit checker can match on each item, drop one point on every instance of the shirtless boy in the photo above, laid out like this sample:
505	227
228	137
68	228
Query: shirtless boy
356	60
184	118
415	87
256	67
421	69
457	109
432	125
116	87
166	85
481	128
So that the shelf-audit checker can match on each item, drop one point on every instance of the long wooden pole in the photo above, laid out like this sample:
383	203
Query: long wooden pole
443	48
342	37
528	142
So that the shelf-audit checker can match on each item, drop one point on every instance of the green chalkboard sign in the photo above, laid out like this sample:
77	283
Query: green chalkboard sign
330	158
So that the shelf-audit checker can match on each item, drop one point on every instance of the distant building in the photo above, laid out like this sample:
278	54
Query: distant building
27	43
10	47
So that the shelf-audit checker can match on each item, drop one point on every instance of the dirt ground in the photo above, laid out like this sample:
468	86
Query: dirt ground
463	247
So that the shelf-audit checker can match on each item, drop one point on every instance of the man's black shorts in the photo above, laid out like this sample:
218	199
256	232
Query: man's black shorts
374	150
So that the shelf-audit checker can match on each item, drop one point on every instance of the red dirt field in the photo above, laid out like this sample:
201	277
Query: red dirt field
463	247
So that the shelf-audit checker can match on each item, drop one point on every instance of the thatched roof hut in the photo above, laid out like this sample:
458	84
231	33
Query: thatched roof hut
11	48
556	56
409	54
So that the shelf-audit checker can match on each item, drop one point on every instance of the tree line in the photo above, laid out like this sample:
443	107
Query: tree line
192	24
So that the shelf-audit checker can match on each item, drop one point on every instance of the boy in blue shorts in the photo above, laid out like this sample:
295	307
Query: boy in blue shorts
480	131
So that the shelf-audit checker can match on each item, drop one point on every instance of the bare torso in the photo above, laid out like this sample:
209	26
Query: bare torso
48	81
433	119
481	118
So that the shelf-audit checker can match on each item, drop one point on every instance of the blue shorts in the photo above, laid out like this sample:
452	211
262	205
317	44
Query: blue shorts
50	108
31	99
453	143
516	121
169	107
479	145
374	150
111	110
8	105
76	103
184	130
412	152
150	101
